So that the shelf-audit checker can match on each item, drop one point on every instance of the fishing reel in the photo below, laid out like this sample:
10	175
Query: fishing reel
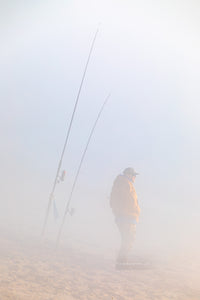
61	177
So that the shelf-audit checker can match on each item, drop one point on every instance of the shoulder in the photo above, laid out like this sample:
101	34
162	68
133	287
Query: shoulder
121	180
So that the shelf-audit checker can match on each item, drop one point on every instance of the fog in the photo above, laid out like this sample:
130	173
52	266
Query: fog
147	56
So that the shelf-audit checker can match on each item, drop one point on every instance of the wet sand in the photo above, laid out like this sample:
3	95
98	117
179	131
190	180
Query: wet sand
30	268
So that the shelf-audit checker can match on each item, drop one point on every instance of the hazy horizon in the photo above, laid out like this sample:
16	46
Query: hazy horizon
147	56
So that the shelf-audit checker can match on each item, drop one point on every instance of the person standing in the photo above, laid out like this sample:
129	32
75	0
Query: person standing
126	210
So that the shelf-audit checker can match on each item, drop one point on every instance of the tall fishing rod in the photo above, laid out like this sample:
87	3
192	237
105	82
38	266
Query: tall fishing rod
78	171
51	197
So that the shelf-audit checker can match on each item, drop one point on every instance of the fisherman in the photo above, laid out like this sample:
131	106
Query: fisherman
126	210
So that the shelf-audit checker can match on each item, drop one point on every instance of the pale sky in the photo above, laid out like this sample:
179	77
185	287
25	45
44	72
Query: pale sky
147	56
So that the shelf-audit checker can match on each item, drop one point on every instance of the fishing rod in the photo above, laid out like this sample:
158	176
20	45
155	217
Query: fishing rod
51	197
78	171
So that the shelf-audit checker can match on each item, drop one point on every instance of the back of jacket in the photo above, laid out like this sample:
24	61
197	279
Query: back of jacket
123	199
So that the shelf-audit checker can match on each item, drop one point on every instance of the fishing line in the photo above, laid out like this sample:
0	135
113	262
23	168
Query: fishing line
51	197
78	171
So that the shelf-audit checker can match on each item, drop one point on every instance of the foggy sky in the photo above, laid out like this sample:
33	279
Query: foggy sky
147	56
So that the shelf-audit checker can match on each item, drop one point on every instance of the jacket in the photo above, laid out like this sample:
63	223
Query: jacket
123	199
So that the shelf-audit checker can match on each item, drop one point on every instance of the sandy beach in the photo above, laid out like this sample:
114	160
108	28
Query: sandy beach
32	269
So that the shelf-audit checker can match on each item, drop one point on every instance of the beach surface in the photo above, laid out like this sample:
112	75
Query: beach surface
31	268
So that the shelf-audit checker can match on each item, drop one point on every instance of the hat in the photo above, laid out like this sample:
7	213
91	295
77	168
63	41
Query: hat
130	171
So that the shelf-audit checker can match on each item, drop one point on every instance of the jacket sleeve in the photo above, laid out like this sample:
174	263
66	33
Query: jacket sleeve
123	200
120	195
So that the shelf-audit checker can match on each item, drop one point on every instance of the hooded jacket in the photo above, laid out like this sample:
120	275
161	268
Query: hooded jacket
123	199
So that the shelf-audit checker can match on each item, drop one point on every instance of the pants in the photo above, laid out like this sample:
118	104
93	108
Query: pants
127	231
